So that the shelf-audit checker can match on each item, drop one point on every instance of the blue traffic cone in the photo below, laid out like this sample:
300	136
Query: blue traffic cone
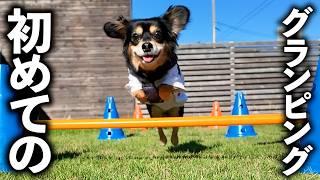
10	127
312	164
111	113
240	108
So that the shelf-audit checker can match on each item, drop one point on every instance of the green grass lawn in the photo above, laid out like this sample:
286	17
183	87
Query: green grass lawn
203	153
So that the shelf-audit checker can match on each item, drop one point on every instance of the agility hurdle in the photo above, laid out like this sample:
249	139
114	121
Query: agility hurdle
257	119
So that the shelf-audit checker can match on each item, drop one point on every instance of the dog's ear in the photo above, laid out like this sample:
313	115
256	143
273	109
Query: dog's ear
117	29
177	17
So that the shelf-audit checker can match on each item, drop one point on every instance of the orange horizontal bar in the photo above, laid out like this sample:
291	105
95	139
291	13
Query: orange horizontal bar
256	119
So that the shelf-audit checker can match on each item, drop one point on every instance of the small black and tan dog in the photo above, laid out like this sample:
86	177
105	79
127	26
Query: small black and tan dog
154	75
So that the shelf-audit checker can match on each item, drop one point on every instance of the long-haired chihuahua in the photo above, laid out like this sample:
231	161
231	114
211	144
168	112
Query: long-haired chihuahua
154	75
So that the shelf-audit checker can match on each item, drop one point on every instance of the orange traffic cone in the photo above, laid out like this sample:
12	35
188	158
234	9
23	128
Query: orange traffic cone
216	111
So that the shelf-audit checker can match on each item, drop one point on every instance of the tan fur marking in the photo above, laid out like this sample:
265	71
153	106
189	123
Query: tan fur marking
138	30
153	28
135	60
140	95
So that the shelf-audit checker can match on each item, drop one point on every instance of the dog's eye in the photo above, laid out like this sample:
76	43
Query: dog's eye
157	35
135	37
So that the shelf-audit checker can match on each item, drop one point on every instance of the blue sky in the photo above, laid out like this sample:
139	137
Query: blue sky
236	20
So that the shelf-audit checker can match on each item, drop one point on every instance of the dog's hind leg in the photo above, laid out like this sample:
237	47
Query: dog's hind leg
155	111
175	112
174	136
162	136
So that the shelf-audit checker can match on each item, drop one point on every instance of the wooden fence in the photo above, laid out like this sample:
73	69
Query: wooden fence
256	68
87	66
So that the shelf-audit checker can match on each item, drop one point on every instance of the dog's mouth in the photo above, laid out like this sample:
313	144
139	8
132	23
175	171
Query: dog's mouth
148	58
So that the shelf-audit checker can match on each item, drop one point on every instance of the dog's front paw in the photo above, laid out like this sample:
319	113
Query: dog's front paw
165	91
141	96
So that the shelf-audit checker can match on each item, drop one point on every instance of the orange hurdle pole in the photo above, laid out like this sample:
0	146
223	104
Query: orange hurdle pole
257	119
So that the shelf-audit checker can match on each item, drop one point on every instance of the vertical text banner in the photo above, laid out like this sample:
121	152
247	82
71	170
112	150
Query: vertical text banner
30	34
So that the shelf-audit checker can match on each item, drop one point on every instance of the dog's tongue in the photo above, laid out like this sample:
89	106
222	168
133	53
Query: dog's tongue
147	58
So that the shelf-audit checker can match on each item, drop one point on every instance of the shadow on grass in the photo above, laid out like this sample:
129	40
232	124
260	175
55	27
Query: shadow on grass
65	155
130	135
191	146
272	142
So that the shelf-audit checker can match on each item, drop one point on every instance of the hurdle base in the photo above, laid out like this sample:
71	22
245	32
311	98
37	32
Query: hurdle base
111	134
240	131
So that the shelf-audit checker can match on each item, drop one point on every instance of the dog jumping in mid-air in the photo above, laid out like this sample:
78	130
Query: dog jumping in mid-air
154	75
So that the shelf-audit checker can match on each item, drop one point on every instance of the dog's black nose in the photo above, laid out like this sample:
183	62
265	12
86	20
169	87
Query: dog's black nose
146	47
